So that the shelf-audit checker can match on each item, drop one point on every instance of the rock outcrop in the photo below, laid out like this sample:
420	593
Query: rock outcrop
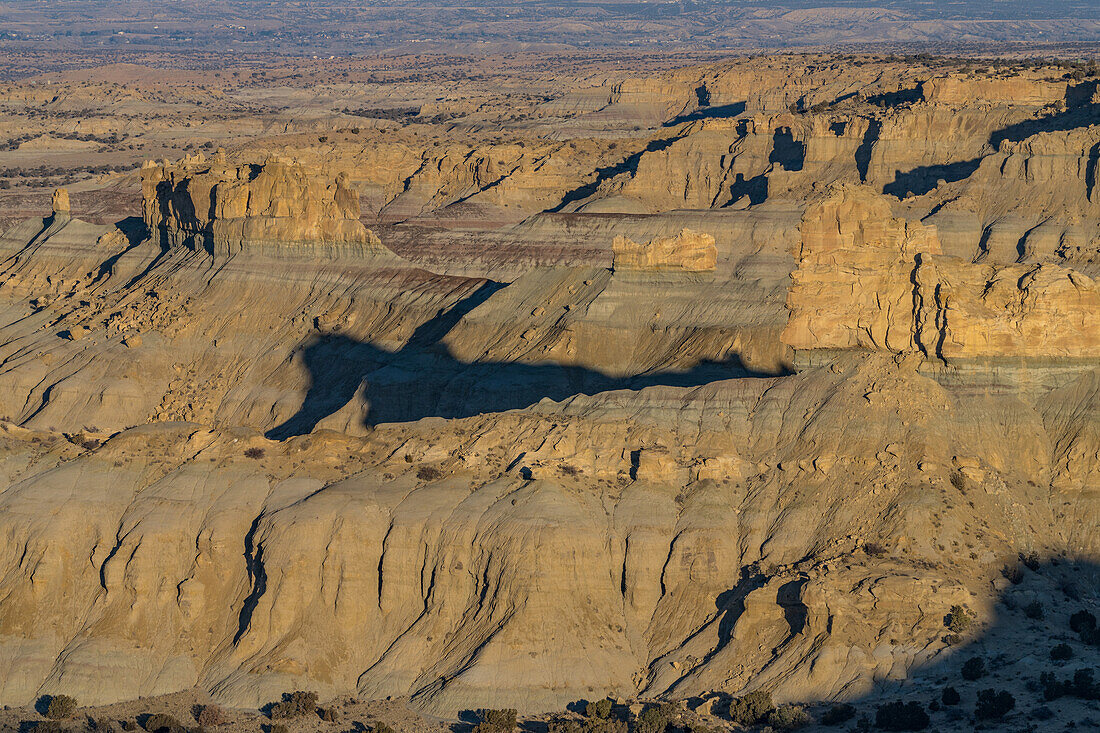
274	205
868	280
688	251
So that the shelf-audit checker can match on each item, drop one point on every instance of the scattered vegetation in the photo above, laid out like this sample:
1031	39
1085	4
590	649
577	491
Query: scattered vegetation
1014	574
163	723
429	473
60	707
787	717
751	709
598	709
1082	685
959	619
496	721
294	704
993	705
254	452
973	669
1061	653
211	716
837	714
901	716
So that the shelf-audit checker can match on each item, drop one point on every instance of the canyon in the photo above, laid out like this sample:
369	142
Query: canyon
668	386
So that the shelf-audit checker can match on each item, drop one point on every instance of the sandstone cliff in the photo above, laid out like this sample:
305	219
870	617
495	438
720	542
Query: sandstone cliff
228	208
868	280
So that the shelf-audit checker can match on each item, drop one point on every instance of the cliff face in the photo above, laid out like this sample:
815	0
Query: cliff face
227	208
866	279
687	251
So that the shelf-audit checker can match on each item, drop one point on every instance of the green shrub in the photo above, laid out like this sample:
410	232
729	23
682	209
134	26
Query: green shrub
496	720
294	704
1061	653
750	709
950	696
837	714
901	716
1082	622
788	717
993	705
329	715
958	619
1034	610
654	718
973	669
598	709
60	707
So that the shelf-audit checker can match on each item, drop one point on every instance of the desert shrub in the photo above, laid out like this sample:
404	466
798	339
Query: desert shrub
1031	560
496	720
653	719
211	716
950	696
163	723
598	709
750	709
838	714
129	725
592	725
788	717
60	707
952	639
1061	653
958	619
48	726
993	705
294	704
1013	573
429	473
378	726
875	549
101	725
1034	610
279	728
900	715
973	669
329	715
254	452
1082	622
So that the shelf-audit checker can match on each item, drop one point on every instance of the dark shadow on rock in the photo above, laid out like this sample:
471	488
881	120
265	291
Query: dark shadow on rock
896	99
863	152
626	165
923	179
423	379
1080	112
1041	645
722	111
786	151
755	188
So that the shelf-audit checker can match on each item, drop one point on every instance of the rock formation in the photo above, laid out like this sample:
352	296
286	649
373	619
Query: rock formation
688	251
868	280
273	205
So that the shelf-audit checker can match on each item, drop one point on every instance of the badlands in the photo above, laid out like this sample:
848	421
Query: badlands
757	392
